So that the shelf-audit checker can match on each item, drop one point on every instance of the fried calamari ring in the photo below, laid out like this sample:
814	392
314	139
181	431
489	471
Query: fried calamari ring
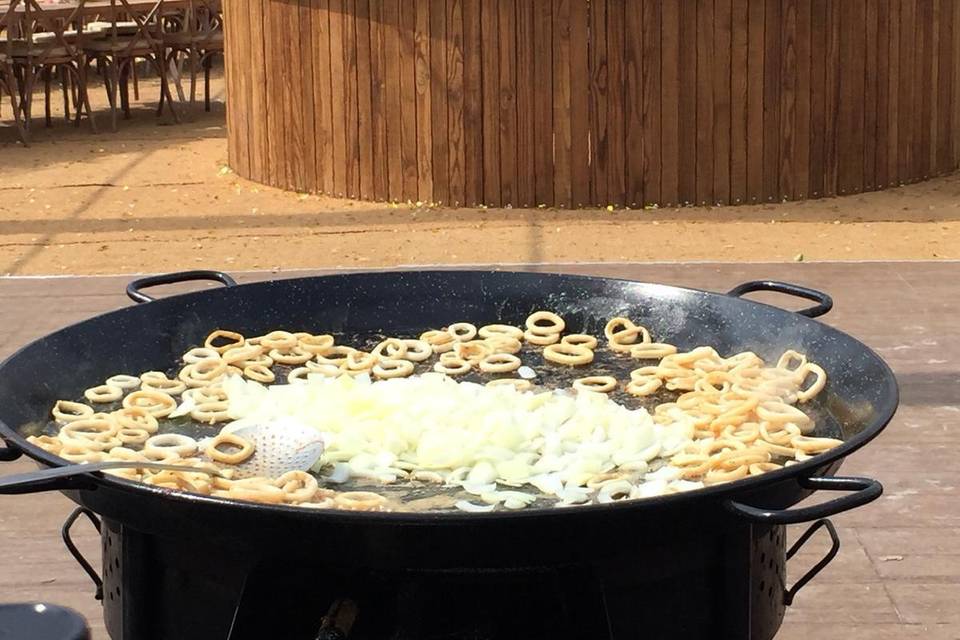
500	330
294	355
417	350
517	383
335	355
386	369
622	333
544	323
280	340
317	345
297	486
136	418
359	501
66	411
233	339
500	363
439	341
167	443
462	331
568	354
597	384
156	403
541	339
580	340
652	350
259	373
211	412
103	394
125	382
452	366
243	448
164	385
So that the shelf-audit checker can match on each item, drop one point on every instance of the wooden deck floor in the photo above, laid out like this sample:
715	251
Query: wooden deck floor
898	573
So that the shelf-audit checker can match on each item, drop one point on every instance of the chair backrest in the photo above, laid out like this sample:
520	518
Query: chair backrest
40	30
145	20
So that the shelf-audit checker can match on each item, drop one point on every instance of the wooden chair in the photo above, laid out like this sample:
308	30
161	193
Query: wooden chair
197	40
40	44
8	80
134	31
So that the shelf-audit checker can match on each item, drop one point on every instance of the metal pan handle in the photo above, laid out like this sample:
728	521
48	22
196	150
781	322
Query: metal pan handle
791	593
135	288
9	452
824	302
861	491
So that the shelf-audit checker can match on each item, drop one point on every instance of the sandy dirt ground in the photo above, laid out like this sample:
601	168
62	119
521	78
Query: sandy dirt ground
158	197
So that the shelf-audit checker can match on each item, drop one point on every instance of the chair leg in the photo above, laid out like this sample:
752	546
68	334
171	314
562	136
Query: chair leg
208	65
11	84
114	74
136	83
175	66
65	88
195	64
26	97
47	82
125	90
84	94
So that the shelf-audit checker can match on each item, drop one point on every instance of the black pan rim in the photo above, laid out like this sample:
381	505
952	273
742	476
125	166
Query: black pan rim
731	490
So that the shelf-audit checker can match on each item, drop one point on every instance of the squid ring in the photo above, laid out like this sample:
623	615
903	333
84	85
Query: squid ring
361	360
541	339
297	486
439	341
234	340
622	333
259	373
76	452
717	476
454	366
156	403
281	340
183	446
473	351
195	355
763	467
103	394
418	350
244	353
652	350
336	355
640	387
386	369
164	385
261	490
317	345
132	435
568	354
136	418
123	381
500	363
210	412
810	445
359	501
544	323
244	451
498	330
462	331
292	356
581	340
51	444
390	349
597	384
67	411
504	344
819	382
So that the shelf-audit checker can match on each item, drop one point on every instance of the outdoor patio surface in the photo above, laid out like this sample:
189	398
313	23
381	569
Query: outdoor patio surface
898	572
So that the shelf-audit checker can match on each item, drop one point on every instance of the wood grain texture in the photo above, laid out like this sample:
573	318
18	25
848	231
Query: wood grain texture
570	103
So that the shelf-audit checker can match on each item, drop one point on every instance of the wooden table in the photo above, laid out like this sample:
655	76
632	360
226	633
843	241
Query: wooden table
897	576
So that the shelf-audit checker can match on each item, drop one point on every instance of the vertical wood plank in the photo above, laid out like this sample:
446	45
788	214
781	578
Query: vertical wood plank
788	98
893	87
543	102
651	66
408	100
351	100
380	160
771	100
562	107
597	89
237	38
424	133
723	51
364	101
616	115
579	103
323	115
338	98
507	27
490	53
705	106
688	101
296	135
308	106
831	82
634	97
455	116
738	101
925	64
852	88
801	138
439	126
955	111
870	96
273	132
526	104
394	98
906	102
944	162
883	92
933	94
670	105
755	99
473	163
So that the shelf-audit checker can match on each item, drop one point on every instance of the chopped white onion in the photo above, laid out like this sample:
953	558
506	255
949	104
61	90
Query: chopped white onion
470	507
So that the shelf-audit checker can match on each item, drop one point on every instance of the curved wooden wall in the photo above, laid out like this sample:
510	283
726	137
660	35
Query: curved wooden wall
573	103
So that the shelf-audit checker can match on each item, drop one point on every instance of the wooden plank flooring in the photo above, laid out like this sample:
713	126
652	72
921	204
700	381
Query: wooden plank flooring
898	573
